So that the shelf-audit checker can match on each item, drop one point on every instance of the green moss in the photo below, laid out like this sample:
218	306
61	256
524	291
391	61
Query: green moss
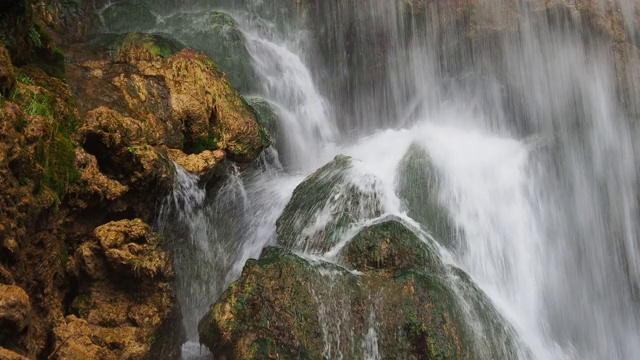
390	245
54	151
202	143
35	37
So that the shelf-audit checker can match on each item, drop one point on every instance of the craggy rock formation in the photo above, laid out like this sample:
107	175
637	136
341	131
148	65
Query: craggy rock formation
88	141
388	286
124	306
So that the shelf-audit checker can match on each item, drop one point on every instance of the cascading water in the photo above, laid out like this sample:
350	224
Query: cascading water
527	129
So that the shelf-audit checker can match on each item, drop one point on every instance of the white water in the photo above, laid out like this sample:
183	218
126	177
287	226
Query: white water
548	223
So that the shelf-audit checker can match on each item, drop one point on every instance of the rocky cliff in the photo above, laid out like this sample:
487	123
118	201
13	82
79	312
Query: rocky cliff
90	135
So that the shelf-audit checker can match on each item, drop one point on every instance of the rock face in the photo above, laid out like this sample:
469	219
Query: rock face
398	299
86	140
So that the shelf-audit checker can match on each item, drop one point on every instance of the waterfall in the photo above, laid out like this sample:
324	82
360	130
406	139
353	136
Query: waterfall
531	137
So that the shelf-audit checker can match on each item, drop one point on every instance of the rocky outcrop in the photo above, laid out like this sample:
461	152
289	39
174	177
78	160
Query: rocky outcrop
124	306
217	35
182	99
83	147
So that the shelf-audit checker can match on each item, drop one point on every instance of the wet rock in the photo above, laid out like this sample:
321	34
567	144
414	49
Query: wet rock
267	116
418	188
217	35
206	165
285	306
323	207
128	17
390	246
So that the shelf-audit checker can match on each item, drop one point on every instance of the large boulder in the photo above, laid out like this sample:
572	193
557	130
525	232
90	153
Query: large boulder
180	98
389	245
323	207
284	306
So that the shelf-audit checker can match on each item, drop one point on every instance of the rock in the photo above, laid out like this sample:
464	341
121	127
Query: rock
119	144
10	355
73	340
206	165
418	188
267	116
15	313
217	35
7	76
92	183
284	306
130	248
390	245
180	100
323	207
128	17
125	306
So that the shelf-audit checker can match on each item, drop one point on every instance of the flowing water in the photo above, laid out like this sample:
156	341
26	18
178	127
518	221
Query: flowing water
528	129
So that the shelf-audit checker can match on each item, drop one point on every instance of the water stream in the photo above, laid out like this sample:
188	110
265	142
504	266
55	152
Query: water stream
536	155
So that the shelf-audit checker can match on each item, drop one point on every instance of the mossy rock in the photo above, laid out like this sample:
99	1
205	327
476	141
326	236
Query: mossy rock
269	313
323	207
128	17
138	43
389	245
7	75
48	105
217	35
418	188
284	306
266	115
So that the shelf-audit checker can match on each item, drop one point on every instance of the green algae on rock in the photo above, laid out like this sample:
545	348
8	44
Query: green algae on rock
418	188
286	306
389	245
326	196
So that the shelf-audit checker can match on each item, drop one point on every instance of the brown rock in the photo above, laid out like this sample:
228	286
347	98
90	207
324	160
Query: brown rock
15	310
206	164
10	355
92	182
7	77
131	248
72	340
